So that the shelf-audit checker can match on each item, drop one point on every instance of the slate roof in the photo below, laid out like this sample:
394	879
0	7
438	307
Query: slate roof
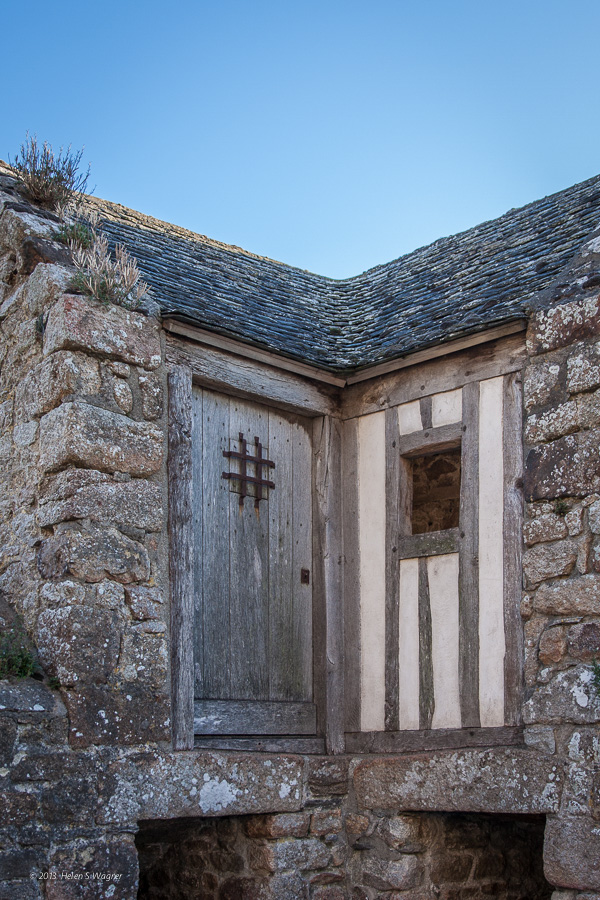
456	286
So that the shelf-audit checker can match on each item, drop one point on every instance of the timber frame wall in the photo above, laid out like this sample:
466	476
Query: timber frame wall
337	408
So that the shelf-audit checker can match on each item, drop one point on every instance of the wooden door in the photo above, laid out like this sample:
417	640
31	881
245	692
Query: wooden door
252	568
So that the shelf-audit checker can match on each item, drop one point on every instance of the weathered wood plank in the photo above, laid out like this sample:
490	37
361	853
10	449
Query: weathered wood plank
432	377
426	695
249	571
301	628
253	717
234	375
492	639
437	739
431	543
304	746
351	547
197	515
426	412
214	494
394	521
282	675
468	577
432	440
513	529
371	498
327	555
181	568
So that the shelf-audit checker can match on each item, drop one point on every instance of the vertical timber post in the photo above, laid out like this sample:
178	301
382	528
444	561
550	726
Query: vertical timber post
327	551
181	568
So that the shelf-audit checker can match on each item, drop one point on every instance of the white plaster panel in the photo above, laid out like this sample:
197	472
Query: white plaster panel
409	417
491	576
371	511
442	572
446	408
408	650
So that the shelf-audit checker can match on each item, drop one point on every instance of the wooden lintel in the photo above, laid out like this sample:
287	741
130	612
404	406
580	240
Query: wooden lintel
471	340
239	348
433	440
210	339
435	375
238	376
432	543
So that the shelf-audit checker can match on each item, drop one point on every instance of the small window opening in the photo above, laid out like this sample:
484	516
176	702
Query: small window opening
436	491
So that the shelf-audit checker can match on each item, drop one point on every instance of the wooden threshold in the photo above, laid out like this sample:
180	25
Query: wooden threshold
432	739
310	746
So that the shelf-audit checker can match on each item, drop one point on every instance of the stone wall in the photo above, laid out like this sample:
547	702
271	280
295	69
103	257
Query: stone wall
327	856
561	605
87	774
83	554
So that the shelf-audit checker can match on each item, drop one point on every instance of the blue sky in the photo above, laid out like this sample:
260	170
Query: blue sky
330	135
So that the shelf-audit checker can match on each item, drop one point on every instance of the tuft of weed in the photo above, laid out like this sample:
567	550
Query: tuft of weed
110	280
16	657
561	507
50	179
76	233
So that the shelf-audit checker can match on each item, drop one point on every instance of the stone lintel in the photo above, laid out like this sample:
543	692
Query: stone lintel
488	781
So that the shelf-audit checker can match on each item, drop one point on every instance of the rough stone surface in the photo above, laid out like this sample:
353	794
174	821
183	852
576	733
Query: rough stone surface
115	858
83	324
547	527
584	641
549	561
540	737
572	852
553	645
153	785
567	467
569	696
144	602
386	875
86	493
108	717
576	596
553	423
93	553
282	825
69	646
594	517
562	325
62	375
152	395
583	369
495	781
83	435
123	396
541	384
